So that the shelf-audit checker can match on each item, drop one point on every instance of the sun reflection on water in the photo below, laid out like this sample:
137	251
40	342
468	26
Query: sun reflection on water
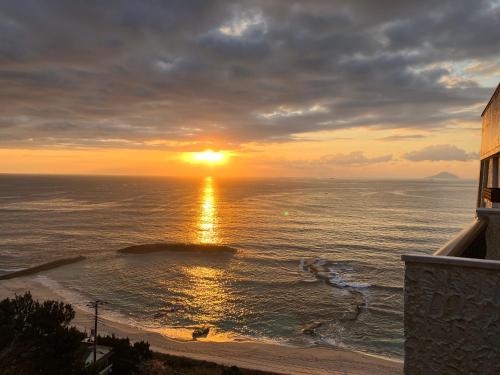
207	222
205	300
207	294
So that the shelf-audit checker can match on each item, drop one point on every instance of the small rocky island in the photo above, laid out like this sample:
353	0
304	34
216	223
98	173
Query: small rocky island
177	247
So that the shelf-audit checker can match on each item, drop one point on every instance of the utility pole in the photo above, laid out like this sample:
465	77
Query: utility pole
95	305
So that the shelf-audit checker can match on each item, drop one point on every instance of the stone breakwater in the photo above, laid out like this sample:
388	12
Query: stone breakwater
42	267
177	247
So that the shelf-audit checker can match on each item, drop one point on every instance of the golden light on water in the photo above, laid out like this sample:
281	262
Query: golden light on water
208	157
207	292
207	221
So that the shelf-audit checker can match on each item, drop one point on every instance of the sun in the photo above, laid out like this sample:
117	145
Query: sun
208	157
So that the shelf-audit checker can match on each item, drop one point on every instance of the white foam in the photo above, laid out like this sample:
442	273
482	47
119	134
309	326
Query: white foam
337	279
301	265
80	301
358	285
336	337
68	295
11	269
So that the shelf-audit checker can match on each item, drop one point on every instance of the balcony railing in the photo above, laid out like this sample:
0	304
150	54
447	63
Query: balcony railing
469	243
491	194
452	303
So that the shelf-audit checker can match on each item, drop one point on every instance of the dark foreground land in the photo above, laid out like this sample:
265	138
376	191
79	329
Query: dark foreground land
163	364
38	338
177	247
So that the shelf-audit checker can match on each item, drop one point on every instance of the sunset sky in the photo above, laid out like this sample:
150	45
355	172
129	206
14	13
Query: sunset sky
314	88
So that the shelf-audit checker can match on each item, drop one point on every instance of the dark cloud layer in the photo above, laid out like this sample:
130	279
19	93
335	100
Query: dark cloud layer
92	72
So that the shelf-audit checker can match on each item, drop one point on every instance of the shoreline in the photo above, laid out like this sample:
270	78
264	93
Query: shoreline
246	354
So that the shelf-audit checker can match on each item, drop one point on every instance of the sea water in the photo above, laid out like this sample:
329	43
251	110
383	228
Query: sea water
325	252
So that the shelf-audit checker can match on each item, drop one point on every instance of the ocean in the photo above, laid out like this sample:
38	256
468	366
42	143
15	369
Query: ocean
311	252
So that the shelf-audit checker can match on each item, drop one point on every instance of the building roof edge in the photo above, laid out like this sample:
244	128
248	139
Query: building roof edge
495	93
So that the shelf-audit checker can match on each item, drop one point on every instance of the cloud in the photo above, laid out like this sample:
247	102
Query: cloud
200	70
402	137
441	152
355	158
322	166
293	112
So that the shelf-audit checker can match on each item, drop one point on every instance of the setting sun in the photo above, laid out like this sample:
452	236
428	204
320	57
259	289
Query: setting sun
256	180
206	157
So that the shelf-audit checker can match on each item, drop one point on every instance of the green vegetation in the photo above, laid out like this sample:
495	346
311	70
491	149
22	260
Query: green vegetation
126	358
36	338
166	364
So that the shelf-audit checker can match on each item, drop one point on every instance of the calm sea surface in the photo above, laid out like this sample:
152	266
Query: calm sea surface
309	250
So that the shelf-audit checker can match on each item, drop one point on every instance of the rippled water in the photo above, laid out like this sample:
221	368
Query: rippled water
309	250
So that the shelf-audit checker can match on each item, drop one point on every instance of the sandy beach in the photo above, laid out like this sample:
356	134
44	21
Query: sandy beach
254	355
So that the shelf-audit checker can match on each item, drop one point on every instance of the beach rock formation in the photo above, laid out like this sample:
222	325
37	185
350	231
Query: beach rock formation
323	270
309	329
200	332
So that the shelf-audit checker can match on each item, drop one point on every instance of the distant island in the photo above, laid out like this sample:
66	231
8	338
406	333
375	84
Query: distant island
177	247
444	176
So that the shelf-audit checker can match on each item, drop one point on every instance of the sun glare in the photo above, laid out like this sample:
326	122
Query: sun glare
206	157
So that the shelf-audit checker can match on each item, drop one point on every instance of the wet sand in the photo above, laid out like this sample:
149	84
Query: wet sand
248	354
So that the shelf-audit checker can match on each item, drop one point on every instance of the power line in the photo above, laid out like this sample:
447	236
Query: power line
95	305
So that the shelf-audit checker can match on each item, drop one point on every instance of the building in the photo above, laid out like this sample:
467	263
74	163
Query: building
452	298
103	353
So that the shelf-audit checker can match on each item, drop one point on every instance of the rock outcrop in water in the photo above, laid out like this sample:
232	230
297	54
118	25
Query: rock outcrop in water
321	271
200	332
310	328
177	247
42	267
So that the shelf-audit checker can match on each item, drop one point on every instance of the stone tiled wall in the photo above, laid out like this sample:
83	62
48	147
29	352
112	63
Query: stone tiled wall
452	319
493	237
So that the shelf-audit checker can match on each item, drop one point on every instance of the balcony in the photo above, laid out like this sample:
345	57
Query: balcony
491	195
452	302
452	298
